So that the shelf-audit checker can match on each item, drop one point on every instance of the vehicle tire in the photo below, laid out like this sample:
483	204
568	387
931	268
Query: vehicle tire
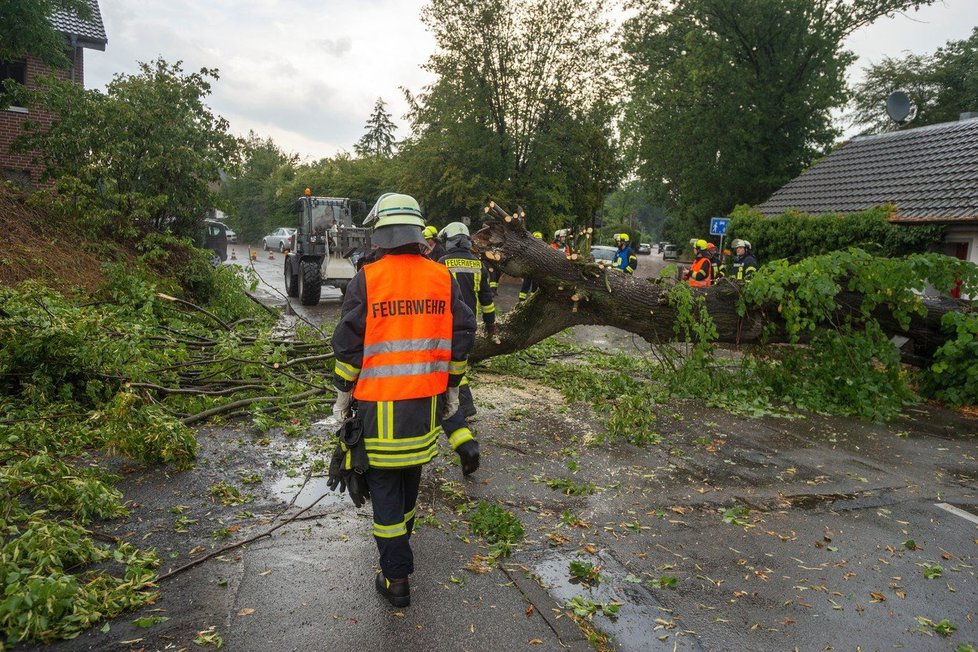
281	247
291	282
310	283
342	288
264	245
215	260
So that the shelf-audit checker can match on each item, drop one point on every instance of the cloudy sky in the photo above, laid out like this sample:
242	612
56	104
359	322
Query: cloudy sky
307	72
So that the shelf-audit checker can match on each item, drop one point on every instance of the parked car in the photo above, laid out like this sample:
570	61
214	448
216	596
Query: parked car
670	251
232	236
602	252
281	238
644	248
216	241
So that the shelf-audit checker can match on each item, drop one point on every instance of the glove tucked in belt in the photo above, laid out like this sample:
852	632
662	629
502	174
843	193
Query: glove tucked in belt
349	464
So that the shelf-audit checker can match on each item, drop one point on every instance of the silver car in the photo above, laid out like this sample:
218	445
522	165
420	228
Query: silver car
601	252
281	239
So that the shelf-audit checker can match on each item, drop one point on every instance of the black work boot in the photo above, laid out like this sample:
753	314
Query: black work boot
397	592
468	453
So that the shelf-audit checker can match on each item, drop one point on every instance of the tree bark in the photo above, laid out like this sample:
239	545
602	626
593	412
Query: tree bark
576	292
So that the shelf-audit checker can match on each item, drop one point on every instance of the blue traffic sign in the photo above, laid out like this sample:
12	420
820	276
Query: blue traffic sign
718	225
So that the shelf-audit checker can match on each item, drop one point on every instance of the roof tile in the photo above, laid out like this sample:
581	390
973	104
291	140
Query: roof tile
931	173
90	32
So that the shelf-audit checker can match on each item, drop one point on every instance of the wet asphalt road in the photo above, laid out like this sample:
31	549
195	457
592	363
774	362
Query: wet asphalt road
818	559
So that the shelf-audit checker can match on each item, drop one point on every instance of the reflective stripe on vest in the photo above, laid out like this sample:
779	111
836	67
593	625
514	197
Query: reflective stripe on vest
698	267
407	344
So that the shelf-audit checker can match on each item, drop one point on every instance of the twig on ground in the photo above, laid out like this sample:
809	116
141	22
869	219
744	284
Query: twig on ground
204	311
201	416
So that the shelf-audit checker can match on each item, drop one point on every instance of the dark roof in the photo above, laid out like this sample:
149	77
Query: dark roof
90	33
929	174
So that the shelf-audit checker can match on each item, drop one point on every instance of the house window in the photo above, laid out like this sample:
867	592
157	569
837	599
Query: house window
15	71
19	177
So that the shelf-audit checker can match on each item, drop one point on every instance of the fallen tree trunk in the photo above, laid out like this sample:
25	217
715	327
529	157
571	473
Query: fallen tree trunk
577	292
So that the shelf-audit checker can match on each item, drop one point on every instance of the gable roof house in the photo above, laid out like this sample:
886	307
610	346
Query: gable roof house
930	174
79	35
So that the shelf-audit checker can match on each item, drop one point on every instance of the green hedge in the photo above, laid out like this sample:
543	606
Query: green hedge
794	235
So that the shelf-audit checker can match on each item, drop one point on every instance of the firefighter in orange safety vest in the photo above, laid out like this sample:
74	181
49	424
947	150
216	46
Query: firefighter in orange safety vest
700	275
401	347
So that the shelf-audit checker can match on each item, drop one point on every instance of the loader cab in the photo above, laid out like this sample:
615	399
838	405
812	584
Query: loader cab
319	219
325	240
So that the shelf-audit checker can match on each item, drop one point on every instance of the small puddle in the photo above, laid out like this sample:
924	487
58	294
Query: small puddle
286	488
635	626
810	501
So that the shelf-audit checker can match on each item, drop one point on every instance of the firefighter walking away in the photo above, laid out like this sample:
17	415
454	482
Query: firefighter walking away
401	347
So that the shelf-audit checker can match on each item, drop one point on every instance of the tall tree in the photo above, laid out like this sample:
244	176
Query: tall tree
633	203
256	204
26	29
379	139
140	157
514	78
732	98
941	85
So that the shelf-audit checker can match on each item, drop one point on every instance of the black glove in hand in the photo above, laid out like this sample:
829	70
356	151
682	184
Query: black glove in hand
336	474
357	484
468	453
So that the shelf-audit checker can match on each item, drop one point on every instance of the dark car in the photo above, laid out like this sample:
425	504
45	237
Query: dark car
216	241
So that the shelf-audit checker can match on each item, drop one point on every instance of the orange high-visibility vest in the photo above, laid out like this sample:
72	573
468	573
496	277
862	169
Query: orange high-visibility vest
407	345
697	267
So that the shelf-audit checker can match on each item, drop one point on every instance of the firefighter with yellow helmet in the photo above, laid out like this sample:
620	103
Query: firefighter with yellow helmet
701	273
435	250
625	259
401	347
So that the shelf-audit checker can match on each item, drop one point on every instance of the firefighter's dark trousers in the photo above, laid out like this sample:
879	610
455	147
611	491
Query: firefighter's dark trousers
466	404
394	494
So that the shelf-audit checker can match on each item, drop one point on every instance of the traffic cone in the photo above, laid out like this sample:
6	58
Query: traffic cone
234	254
270	255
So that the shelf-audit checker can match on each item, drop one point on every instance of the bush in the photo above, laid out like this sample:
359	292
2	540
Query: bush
795	235
953	376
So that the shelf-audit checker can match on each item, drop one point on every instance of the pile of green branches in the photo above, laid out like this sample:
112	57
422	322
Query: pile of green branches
127	372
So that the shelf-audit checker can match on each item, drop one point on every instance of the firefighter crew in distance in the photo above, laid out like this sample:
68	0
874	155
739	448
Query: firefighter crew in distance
435	250
744	264
473	279
529	285
625	259
401	347
700	275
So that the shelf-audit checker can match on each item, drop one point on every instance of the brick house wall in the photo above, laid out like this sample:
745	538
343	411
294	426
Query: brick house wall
19	167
